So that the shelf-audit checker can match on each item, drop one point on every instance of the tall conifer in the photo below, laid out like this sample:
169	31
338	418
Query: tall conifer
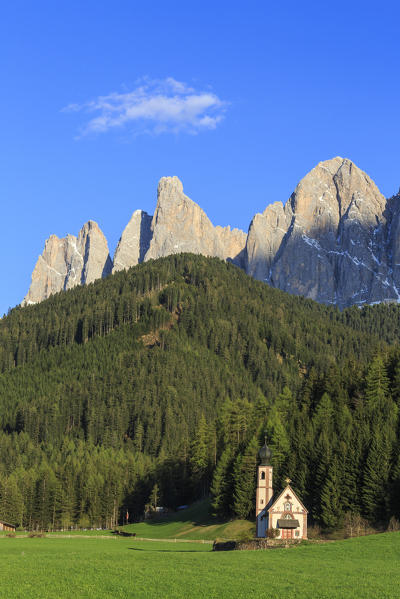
221	488
244	480
331	500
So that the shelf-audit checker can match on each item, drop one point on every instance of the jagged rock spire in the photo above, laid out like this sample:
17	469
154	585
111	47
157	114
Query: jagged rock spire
68	262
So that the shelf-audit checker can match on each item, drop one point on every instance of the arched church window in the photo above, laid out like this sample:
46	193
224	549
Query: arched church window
262	475
288	506
287	517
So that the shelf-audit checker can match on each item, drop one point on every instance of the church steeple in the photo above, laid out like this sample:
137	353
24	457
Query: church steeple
264	489
265	454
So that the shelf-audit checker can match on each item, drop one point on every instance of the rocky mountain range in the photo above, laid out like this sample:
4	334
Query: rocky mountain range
336	240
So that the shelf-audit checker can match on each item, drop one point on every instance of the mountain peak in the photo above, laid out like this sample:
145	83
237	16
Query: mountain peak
134	241
69	261
328	241
172	184
180	225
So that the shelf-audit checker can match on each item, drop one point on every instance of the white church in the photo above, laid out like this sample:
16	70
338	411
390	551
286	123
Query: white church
284	511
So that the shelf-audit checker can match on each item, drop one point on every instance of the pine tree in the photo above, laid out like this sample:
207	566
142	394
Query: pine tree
394	507
323	417
278	442
285	403
395	386
331	502
321	460
382	410
377	382
350	483
375	479
199	459
154	497
139	436
245	480
221	488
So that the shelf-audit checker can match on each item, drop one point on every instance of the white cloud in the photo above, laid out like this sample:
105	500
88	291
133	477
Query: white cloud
154	106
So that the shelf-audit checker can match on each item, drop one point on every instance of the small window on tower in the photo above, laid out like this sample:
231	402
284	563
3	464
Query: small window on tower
262	475
262	500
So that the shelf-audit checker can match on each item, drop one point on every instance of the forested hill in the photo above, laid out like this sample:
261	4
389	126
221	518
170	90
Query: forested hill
156	383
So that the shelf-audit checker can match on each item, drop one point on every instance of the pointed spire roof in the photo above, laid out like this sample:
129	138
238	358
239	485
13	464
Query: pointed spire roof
265	453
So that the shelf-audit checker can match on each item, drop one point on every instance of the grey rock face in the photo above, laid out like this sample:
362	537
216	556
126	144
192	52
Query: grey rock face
96	258
393	234
265	236
233	244
134	242
68	262
330	241
180	225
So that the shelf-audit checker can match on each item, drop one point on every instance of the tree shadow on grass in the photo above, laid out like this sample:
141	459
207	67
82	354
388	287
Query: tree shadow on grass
197	514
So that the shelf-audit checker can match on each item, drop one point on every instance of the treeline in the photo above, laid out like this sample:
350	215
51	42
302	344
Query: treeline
167	374
338	441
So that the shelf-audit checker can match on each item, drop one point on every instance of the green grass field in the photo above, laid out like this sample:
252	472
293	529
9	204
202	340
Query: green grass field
116	567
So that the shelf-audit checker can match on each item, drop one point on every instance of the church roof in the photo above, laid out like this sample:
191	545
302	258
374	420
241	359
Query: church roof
265	455
278	497
288	523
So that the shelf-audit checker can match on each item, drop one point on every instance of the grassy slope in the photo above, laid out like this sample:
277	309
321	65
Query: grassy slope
192	523
121	568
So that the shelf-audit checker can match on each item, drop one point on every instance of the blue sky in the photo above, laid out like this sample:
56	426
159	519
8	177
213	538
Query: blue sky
239	99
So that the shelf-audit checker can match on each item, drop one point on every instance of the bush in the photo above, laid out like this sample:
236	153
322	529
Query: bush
314	532
245	537
273	533
393	525
355	525
11	535
36	535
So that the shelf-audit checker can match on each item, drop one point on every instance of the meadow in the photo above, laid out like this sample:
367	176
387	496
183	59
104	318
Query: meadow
194	522
116	567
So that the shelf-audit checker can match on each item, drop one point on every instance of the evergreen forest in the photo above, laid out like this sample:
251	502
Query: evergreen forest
157	385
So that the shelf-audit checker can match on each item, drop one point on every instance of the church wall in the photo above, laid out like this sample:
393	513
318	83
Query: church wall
297	512
297	516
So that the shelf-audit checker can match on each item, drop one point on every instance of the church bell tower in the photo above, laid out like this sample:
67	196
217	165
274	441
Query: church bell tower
264	490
